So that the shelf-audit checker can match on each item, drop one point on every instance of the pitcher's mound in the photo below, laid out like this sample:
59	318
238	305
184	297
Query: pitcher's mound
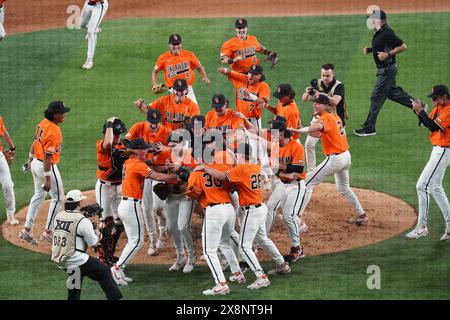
326	216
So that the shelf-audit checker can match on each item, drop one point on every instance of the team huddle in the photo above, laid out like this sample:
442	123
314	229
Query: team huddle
176	162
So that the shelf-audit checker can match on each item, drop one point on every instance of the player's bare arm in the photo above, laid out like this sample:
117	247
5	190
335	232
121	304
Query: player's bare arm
202	72
47	171
154	77
162	176
248	125
140	104
215	173
109	135
385	55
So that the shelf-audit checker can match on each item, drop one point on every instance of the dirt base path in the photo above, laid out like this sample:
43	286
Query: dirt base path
32	15
326	217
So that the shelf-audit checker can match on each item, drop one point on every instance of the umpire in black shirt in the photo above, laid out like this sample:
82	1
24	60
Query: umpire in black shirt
385	46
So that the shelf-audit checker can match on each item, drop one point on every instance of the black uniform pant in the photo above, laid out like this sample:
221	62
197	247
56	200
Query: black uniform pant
385	88
96	270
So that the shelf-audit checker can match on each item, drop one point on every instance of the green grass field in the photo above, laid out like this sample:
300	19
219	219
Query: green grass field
36	68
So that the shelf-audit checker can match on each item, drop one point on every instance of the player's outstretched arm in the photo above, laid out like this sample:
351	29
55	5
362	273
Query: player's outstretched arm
215	173
163	177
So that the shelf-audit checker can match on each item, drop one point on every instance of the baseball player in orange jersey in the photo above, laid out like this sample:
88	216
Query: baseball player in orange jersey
178	63
247	178
2	19
176	108
135	171
286	107
108	189
91	16
240	51
219	217
430	180
250	92
44	156
338	158
5	176
153	132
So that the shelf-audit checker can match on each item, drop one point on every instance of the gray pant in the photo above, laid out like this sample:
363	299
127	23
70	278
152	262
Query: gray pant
385	87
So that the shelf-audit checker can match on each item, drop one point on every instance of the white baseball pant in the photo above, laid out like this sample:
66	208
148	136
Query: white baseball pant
130	213
253	228
337	165
179	217
257	123
91	17
274	201
310	148
7	186
2	21
430	181
148	201
56	192
108	196
217	227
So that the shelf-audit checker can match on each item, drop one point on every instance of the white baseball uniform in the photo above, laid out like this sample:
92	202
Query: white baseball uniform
108	195
7	186
2	20
91	17
310	148
151	203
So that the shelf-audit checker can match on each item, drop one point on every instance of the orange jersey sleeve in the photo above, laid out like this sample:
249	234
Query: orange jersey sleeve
137	130
2	132
292	153
248	179
334	140
441	117
134	173
223	123
214	191
292	115
246	48
48	138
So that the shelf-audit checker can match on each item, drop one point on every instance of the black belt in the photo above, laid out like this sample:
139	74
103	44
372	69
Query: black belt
135	200
252	206
382	66
335	154
111	183
216	204
93	3
39	160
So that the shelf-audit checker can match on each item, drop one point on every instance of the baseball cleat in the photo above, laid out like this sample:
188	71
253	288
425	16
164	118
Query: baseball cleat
364	132
445	236
260	282
219	289
161	243
46	236
238	277
152	251
294	254
87	65
417	233
13	221
179	264
281	268
361	220
189	267
118	275
27	236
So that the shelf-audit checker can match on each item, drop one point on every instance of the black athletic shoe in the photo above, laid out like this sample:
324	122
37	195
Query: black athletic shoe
364	132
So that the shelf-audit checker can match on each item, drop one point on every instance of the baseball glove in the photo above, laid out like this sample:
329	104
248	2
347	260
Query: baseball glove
161	190
159	88
9	156
273	58
193	192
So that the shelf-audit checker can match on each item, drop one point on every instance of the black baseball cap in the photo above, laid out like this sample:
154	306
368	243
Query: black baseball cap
283	90
279	125
240	23
57	107
218	100
175	39
138	144
379	14
256	69
323	99
180	84
244	148
438	90
154	116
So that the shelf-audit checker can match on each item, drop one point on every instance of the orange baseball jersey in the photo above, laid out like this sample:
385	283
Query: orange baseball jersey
214	191
248	179
48	139
334	140
166	156
246	48
2	131
107	166
244	105
178	66
292	153
441	115
134	173
223	123
292	115
174	114
142	130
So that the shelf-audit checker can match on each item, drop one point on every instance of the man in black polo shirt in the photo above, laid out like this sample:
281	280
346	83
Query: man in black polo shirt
385	46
